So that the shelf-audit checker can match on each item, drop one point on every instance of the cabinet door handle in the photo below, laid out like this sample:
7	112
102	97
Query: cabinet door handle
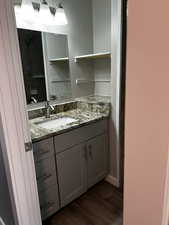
90	151
85	153
44	177
41	152
47	205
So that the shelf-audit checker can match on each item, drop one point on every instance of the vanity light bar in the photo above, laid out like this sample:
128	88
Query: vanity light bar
47	14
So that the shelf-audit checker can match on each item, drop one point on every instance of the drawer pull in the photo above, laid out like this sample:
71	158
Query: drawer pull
43	152
40	153
44	177
47	205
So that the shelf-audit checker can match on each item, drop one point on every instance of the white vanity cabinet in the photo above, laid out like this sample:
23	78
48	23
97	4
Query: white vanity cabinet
85	163
67	165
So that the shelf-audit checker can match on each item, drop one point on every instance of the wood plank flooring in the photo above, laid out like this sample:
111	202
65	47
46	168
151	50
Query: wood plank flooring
101	205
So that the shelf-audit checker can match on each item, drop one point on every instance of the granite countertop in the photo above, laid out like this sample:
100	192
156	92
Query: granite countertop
85	111
95	99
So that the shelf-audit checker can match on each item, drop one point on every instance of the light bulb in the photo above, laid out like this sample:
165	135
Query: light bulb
60	17
27	12
17	9
45	17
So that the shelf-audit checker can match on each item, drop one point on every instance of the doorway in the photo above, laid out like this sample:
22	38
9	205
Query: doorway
83	86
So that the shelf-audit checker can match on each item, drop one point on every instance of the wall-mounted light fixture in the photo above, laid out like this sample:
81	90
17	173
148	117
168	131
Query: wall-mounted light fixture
27	12
41	16
45	17
60	16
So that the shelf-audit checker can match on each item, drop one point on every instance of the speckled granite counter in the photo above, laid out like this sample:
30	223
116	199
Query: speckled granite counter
95	99
84	110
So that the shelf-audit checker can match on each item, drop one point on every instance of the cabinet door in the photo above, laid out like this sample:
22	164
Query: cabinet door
72	175
97	159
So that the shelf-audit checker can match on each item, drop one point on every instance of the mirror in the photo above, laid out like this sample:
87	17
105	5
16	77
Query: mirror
45	62
33	65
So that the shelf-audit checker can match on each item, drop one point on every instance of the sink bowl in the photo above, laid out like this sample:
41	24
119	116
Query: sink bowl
56	123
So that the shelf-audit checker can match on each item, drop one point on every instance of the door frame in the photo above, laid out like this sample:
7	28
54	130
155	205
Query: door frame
165	219
14	121
19	164
117	14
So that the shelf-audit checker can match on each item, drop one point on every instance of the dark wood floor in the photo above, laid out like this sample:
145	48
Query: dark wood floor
101	205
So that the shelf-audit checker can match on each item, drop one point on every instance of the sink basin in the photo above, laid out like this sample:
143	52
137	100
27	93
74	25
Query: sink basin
56	123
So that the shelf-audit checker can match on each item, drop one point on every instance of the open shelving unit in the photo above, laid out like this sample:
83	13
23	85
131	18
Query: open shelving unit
93	56
65	59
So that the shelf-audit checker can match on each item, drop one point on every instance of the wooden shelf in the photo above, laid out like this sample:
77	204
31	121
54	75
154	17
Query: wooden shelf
38	77
66	59
93	56
85	81
61	81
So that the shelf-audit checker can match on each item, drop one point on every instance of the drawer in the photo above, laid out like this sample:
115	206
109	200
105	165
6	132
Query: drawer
71	138
43	149
49	202
46	173
48	180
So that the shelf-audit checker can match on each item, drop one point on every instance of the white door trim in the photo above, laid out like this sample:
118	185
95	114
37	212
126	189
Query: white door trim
15	121
165	219
116	45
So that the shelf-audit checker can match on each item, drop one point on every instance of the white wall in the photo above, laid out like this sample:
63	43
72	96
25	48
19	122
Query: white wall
102	43
102	73
101	25
80	36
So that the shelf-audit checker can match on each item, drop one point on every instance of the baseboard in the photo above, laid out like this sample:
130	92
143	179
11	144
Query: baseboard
112	180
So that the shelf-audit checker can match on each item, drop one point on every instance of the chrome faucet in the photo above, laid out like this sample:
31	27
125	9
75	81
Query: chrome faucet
33	100
48	108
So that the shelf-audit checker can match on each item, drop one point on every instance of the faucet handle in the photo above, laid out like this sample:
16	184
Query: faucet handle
47	104
33	99
52	107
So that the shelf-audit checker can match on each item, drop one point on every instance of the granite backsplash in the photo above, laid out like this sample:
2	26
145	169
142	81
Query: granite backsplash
96	104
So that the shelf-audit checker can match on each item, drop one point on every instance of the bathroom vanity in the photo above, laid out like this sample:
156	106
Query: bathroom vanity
72	157
71	146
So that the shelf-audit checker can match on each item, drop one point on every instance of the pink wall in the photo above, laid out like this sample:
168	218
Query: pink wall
147	111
